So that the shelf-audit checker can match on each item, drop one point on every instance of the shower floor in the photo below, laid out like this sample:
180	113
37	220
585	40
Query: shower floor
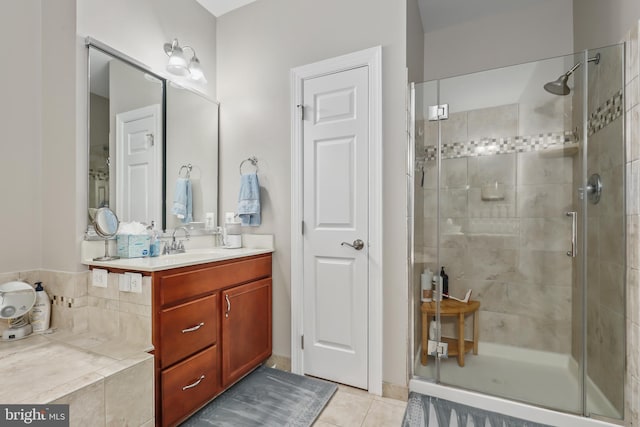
545	379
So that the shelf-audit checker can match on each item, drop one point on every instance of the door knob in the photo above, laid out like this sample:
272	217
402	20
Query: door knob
357	244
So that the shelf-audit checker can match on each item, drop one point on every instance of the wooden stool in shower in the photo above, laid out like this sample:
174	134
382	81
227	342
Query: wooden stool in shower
451	308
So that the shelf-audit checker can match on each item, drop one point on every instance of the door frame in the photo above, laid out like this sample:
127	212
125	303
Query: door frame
372	58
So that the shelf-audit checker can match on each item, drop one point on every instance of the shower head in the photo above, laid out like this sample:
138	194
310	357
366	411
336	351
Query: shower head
559	86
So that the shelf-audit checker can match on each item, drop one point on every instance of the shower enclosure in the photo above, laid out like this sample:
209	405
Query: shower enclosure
518	191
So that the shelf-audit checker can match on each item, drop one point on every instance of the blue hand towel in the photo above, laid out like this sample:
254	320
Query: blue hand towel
182	201
249	200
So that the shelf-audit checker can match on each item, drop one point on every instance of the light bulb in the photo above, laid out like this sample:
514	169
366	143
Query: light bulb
196	70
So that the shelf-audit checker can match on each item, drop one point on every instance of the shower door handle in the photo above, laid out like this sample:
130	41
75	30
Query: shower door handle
574	232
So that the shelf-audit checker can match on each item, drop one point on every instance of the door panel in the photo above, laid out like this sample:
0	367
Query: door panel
335	211
334	183
334	303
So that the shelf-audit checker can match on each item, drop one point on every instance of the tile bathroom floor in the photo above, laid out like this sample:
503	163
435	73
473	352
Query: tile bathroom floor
350	407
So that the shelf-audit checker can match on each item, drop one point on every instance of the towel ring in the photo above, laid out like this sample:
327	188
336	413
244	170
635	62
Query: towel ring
188	167
254	162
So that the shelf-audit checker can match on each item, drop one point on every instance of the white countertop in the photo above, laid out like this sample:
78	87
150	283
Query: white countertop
254	244
190	257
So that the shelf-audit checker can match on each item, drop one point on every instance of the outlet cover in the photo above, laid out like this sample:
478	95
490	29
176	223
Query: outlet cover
99	278
135	279
124	283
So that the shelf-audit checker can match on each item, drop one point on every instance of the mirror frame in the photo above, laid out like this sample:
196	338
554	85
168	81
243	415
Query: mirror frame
93	43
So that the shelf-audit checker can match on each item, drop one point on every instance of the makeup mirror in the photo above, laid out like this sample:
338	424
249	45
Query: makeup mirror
106	225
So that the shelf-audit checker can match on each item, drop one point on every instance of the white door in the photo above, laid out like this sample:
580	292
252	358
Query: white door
335	206
139	166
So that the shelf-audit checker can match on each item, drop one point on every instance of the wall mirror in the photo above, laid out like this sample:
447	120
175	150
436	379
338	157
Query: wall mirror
192	152
142	130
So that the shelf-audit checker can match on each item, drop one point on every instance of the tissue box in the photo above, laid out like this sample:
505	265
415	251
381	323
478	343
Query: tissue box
133	245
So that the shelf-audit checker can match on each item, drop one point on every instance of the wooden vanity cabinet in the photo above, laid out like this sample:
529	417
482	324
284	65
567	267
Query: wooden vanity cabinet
211	325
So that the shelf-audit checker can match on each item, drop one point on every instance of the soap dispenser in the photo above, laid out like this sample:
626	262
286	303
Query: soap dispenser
425	285
40	314
154	245
445	283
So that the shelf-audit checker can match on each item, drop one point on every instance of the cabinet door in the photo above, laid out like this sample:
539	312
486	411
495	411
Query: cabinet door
246	328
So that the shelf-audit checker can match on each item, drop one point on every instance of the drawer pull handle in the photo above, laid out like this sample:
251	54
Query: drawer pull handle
194	328
226	296
194	384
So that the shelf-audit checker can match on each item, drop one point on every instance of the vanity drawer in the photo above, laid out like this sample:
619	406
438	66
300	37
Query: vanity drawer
188	328
190	282
189	384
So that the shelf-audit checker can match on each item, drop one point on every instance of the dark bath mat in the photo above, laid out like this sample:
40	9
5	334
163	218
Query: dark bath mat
267	397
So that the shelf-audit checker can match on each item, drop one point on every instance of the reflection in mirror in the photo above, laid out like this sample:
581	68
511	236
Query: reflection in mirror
125	138
192	154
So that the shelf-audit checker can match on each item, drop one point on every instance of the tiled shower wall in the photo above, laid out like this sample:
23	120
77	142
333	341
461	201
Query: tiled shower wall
632	114
510	252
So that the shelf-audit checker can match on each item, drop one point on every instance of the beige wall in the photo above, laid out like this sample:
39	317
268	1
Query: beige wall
415	42
20	117
598	23
44	125
513	37
140	28
257	47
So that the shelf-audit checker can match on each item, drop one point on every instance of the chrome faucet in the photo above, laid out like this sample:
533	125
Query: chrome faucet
176	247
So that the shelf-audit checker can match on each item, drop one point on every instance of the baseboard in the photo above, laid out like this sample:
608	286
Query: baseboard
395	391
392	391
279	362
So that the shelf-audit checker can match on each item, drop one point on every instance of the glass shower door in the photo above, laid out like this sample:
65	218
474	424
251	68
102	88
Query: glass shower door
605	228
507	171
424	243
507	220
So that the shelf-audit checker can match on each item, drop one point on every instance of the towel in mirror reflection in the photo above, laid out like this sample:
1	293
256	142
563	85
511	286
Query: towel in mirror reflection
183	200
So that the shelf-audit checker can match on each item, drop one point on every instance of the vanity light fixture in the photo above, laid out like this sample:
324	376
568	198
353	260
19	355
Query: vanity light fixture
178	64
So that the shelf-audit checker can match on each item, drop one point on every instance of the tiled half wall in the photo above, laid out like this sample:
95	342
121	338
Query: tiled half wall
79	307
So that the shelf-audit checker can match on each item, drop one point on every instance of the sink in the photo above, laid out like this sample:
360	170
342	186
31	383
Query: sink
192	254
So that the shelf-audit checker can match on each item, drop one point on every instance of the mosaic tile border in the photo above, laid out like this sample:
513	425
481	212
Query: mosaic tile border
492	146
606	113
598	120
68	302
